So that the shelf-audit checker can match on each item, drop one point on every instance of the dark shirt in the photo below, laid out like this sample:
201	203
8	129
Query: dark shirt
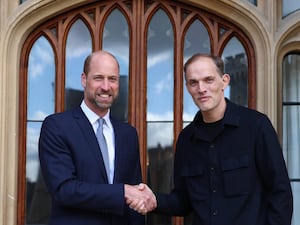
231	172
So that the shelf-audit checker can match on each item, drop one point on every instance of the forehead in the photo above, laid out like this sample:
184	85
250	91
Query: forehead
202	66
104	64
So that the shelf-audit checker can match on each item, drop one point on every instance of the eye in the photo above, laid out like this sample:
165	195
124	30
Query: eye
98	77
210	79
192	83
113	79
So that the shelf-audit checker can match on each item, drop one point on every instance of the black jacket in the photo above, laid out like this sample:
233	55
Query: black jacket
231	172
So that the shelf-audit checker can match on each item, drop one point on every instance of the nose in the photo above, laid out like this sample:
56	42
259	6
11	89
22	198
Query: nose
201	86
105	84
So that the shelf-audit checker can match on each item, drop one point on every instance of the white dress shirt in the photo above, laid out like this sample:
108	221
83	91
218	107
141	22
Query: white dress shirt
108	132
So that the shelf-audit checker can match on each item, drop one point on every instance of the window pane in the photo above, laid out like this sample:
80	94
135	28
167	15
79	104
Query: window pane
195	41
159	134
296	198
291	78
40	97
37	198
32	162
254	2
236	65
41	78
79	45
160	57
160	87
291	124
289	6
291	143
291	113
116	41
160	163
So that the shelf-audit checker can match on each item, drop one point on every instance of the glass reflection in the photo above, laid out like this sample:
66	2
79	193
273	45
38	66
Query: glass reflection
296	201
160	68
37	198
79	45
160	163
41	77
291	143
160	87
291	124
289	6
236	65
116	41
291	81
254	2
195	41
291	113
40	103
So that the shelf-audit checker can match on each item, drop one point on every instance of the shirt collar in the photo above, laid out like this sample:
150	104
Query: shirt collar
231	115
92	116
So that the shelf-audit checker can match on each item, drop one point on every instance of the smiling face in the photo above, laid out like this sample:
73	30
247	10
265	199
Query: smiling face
101	82
206	86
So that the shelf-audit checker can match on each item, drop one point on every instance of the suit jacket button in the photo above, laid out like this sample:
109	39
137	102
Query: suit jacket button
215	212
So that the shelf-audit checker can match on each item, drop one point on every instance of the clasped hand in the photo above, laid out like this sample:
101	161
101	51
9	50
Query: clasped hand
140	198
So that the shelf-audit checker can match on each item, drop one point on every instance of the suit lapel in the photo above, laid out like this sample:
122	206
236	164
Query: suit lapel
118	153
89	135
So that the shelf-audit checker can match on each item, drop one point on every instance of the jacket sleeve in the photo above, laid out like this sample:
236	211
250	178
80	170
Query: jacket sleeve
272	169
134	217
177	202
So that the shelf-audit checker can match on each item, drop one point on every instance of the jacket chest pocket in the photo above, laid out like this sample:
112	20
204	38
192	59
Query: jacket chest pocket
236	175
196	181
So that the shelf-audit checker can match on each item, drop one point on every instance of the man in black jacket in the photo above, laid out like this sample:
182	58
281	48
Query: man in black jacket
229	168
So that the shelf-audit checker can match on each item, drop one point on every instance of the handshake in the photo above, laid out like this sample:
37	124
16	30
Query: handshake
140	198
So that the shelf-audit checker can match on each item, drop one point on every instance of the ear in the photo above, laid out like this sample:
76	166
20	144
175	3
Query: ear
83	80
226	80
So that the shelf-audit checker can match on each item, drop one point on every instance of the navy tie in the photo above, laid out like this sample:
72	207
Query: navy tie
103	145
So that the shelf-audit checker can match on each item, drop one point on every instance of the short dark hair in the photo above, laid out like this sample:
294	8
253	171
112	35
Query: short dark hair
216	60
87	61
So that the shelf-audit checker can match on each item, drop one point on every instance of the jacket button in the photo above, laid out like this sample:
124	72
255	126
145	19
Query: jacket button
215	212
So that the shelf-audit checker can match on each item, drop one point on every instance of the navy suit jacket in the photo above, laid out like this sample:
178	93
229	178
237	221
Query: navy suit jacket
74	171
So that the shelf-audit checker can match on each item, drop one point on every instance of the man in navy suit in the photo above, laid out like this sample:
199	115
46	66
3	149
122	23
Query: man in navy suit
228	168
82	192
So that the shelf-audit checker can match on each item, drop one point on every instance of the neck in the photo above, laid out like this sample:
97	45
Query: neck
215	114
